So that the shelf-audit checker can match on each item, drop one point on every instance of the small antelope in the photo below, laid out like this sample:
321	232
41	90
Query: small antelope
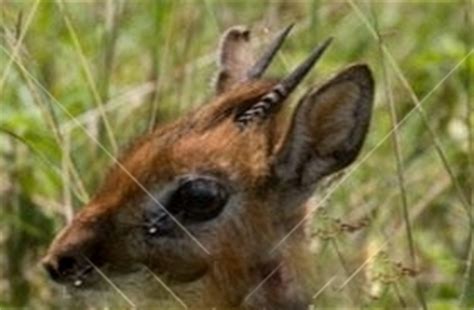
214	200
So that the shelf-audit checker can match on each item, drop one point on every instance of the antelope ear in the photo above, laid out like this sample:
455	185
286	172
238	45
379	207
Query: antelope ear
235	58
328	128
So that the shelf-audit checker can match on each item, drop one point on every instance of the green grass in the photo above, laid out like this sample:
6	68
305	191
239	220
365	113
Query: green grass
75	72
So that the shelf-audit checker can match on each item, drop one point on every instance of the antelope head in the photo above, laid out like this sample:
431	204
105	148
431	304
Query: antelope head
210	196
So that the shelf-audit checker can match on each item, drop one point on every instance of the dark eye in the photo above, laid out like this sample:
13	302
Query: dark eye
199	199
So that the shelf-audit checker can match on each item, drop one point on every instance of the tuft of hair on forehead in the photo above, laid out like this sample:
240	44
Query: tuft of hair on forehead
230	103
149	151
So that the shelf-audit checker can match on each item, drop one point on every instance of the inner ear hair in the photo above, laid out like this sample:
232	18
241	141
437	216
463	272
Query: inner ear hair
328	128
339	116
234	59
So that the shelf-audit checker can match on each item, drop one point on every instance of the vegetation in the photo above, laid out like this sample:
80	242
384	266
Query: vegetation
78	80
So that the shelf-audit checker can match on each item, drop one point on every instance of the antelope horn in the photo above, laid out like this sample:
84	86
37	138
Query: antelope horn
282	90
262	64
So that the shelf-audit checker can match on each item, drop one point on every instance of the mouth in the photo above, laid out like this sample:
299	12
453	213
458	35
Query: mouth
89	276
82	277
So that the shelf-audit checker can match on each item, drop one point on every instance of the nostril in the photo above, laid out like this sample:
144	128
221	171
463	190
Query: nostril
59	267
51	270
66	264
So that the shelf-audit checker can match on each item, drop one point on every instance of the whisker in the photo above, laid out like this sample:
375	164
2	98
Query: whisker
167	288
111	283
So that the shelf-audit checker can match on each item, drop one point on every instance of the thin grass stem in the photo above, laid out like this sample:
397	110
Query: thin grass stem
89	78
398	159
18	43
468	276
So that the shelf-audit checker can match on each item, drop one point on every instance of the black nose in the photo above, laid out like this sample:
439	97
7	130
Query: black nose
59	267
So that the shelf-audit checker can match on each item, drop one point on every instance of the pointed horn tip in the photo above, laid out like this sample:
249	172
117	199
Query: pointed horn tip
321	48
326	43
260	66
284	33
289	27
295	77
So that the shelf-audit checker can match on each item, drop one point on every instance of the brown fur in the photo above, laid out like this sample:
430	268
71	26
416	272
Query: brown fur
230	261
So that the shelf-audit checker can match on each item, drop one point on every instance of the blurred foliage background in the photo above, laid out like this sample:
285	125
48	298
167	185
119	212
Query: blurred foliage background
79	79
